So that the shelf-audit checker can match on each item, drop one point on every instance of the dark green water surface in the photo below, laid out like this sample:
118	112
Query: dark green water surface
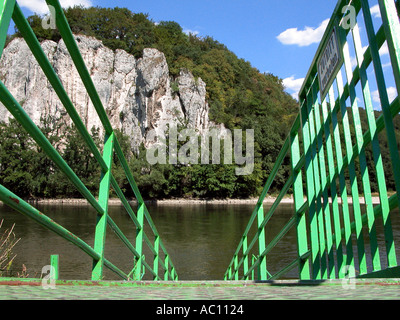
201	238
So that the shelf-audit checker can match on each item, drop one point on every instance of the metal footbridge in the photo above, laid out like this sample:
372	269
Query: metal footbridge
325	149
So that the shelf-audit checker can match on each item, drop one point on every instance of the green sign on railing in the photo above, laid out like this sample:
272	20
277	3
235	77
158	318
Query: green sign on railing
10	9
327	149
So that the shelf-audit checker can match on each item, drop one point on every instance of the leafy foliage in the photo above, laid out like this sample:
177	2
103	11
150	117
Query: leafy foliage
239	96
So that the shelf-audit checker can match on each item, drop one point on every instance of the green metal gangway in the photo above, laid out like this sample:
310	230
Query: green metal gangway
161	267
326	151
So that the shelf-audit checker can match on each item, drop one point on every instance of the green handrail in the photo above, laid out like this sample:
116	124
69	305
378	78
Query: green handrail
10	9
324	160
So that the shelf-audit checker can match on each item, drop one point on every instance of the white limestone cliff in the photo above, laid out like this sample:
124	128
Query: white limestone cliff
136	93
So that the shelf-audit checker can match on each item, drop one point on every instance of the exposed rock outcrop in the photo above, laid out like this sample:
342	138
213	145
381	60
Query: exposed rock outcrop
136	93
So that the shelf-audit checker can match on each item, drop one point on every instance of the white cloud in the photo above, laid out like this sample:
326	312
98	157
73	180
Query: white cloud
293	85
386	65
384	49
375	12
40	6
189	31
302	38
391	91
354	62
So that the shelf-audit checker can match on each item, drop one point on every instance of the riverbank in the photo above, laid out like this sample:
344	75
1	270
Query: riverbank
251	201
116	201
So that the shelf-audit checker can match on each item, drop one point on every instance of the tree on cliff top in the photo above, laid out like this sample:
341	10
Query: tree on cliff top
239	95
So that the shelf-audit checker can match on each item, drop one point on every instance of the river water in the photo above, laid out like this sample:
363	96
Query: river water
200	238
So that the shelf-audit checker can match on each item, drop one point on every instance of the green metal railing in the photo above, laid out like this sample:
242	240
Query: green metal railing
327	150
162	267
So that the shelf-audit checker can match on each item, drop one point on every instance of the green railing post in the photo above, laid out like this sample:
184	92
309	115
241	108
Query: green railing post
6	10
10	9
55	270
335	158
309	156
298	198
333	189
342	187
380	79
166	267
315	150
262	274
352	173
363	167
325	210
156	256
236	267
139	241
245	258
101	224
391	25
380	174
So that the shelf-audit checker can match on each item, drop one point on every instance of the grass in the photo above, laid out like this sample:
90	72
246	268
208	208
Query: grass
7	242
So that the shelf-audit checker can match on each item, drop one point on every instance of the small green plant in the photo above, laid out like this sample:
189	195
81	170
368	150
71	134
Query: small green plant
174	88
7	242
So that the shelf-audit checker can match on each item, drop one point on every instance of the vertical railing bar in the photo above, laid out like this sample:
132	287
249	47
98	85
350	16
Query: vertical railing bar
324	187
261	244
166	269
54	80
376	153
380	79
316	151
55	267
236	268
342	183
139	242
389	242
391	25
315	253
332	181
156	259
298	198
101	223
363	166
353	178
246	257
6	10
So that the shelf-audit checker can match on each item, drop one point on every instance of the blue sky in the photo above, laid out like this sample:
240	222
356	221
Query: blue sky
280	37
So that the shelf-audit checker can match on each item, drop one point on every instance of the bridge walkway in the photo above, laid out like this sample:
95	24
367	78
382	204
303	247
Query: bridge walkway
347	289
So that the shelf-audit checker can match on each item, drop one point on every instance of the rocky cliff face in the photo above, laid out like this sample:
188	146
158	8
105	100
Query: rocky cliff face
136	93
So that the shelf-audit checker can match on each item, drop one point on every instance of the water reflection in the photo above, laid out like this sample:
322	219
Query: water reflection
201	239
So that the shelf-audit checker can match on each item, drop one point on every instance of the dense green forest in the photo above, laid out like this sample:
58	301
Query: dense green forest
238	94
27	171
